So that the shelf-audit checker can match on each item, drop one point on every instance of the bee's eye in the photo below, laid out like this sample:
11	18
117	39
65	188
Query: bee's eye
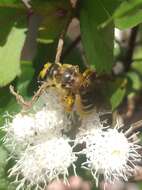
67	76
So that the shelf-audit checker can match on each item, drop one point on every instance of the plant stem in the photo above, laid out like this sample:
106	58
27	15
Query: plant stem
130	49
62	36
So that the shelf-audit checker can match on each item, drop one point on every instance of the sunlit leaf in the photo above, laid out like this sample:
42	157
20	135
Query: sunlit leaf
135	80
97	40
116	91
129	14
22	84
11	42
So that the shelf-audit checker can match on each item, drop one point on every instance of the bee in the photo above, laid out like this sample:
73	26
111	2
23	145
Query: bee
77	89
80	92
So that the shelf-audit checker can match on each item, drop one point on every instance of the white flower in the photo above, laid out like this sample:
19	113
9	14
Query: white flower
51	120
109	153
29	128
50	112
22	126
20	131
46	121
89	123
44	162
36	138
51	99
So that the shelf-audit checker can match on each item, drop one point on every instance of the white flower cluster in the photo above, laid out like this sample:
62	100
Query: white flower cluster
109	152
44	162
44	153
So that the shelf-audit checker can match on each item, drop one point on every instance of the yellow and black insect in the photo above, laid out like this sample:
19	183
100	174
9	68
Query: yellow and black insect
80	92
77	89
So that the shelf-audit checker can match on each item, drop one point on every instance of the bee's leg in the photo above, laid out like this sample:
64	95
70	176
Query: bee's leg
78	106
28	104
41	89
88	72
88	76
19	98
68	101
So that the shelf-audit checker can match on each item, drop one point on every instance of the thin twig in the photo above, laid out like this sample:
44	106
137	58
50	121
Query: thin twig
137	125
70	47
137	60
130	49
134	127
61	39
59	50
27	4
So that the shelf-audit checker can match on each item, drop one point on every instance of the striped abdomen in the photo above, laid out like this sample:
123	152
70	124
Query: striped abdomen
87	98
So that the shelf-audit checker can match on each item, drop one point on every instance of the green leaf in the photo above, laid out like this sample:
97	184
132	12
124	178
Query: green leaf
129	14
12	38
137	59
137	65
110	5
139	183
135	79
4	181
97	40
3	157
115	91
23	85
9	104
12	4
54	15
8	1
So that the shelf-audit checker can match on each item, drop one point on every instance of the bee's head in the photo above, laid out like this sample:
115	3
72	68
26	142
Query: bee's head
70	76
